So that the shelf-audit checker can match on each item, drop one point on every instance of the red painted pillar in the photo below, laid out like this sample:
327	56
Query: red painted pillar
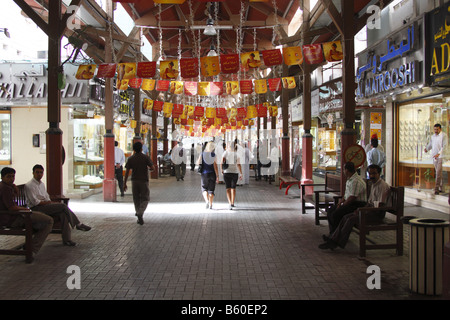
54	161
307	173
154	158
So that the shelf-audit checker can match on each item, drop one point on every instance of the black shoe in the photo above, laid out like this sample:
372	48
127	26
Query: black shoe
325	238
328	245
83	227
69	243
140	220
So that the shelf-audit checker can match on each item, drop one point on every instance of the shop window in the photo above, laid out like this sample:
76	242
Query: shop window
5	137
416	122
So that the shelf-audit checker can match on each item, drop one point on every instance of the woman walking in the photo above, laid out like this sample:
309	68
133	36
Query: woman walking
209	173
232	171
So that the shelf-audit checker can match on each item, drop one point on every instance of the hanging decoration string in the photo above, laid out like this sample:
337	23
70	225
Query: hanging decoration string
160	34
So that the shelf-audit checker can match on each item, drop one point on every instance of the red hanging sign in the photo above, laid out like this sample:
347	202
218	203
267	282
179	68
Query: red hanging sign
313	53
272	57
189	67
221	113
135	83
246	86
229	63
241	113
199	111
177	110
190	88
274	84
216	89
162	85
146	69
158	105
107	70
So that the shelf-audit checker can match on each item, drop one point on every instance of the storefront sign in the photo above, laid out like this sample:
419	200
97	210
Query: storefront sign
438	50
26	83
388	66
330	96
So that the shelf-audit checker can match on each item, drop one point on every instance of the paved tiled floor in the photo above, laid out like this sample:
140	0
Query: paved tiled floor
264	250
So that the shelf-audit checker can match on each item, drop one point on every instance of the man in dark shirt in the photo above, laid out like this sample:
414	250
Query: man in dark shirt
139	163
41	223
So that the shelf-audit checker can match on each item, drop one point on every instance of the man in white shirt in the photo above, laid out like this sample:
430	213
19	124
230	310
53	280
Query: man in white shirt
119	159
39	200
437	145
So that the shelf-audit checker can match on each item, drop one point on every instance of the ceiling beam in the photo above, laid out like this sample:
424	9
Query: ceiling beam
33	15
334	15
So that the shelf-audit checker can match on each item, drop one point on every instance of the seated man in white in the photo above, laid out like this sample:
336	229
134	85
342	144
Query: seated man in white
39	200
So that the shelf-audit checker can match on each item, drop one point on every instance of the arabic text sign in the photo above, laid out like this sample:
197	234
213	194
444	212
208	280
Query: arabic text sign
383	72
438	50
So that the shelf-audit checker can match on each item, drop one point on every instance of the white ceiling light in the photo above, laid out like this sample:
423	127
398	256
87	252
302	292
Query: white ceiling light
210	30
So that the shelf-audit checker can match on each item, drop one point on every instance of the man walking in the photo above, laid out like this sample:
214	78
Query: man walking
437	145
119	158
139	163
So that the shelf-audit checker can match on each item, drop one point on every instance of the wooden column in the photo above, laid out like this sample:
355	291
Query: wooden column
154	148
285	154
307	138
109	182
54	133
348	135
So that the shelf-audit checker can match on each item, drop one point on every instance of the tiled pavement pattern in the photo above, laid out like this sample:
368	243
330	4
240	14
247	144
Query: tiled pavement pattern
265	249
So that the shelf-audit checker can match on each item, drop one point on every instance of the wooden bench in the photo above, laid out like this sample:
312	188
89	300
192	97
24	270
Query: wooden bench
27	230
289	182
295	177
394	206
321	198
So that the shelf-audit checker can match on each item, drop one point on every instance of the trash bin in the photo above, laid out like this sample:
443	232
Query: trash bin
427	240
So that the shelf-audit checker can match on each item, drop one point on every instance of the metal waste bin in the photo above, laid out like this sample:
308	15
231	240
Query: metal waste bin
427	240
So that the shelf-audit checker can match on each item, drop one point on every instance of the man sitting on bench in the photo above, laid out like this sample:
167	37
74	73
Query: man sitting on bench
38	199
355	197
42	224
378	194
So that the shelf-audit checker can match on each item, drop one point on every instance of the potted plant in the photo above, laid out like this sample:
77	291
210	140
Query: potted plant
429	178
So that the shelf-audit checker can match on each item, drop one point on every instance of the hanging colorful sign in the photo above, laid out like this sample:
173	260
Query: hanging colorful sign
250	60
148	104
167	108
168	69
232	87
162	85
135	83
261	86
252	112
216	88
274	84
229	63
262	110
209	66
313	53
246	86
241	113
203	88
148	84
190	88
210	112
85	72
176	87
126	70
177	110
146	69
288	82
292	55
199	111
221	113
189	67
273	111
158	105
333	51
272	57
122	84
106	70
